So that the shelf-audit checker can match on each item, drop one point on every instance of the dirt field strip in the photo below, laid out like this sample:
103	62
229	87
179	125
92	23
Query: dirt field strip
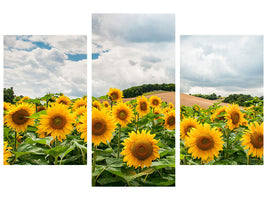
188	100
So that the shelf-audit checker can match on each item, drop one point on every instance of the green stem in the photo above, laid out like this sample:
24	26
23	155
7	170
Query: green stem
93	167
56	143
15	146
227	143
137	119
248	159
56	160
119	142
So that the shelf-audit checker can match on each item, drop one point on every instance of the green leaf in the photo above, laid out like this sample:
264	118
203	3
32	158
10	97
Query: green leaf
32	140
37	115
56	151
114	162
103	152
26	148
68	150
164	181
164	162
98	169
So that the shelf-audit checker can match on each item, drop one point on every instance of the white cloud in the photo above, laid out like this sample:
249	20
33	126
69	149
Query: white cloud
12	42
37	72
75	44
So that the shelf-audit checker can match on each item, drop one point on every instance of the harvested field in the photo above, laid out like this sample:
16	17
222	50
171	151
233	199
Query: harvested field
188	100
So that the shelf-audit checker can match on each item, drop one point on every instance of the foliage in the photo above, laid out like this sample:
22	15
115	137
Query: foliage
233	152
28	148
212	96
9	95
140	90
240	99
110	170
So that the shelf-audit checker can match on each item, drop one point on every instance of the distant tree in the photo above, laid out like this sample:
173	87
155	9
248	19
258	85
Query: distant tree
9	95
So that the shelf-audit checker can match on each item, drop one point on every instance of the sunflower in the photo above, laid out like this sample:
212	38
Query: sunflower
157	111
80	111
24	98
166	110
253	140
82	127
97	105
204	142
171	106
122	114
17	117
234	116
115	94
40	108
155	101
64	100
57	122
7	153
186	126
80	102
140	149
218	112
196	107
142	105
7	106
105	104
170	120
102	127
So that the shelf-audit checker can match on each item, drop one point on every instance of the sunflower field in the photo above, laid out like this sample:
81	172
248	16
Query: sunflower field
222	135
51	130
133	142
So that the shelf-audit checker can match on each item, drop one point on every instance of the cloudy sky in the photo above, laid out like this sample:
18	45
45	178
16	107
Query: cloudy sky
222	64
132	49
36	65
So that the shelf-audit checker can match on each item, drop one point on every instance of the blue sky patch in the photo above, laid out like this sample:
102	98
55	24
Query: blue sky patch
42	45
95	56
77	57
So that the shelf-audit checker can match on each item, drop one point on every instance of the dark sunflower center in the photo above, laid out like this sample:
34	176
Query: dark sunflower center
20	117
222	117
142	150
40	109
114	96
235	117
171	120
58	122
257	140
155	102
188	129
122	115
63	102
205	143
99	127
106	105
143	106
96	106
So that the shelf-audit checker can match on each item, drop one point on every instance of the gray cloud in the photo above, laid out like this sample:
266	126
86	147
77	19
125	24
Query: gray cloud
135	27
225	64
141	50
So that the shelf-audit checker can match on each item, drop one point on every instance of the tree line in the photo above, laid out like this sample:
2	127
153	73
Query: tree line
139	90
212	96
240	99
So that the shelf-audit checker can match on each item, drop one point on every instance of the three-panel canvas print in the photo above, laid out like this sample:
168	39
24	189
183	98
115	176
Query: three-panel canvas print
132	112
